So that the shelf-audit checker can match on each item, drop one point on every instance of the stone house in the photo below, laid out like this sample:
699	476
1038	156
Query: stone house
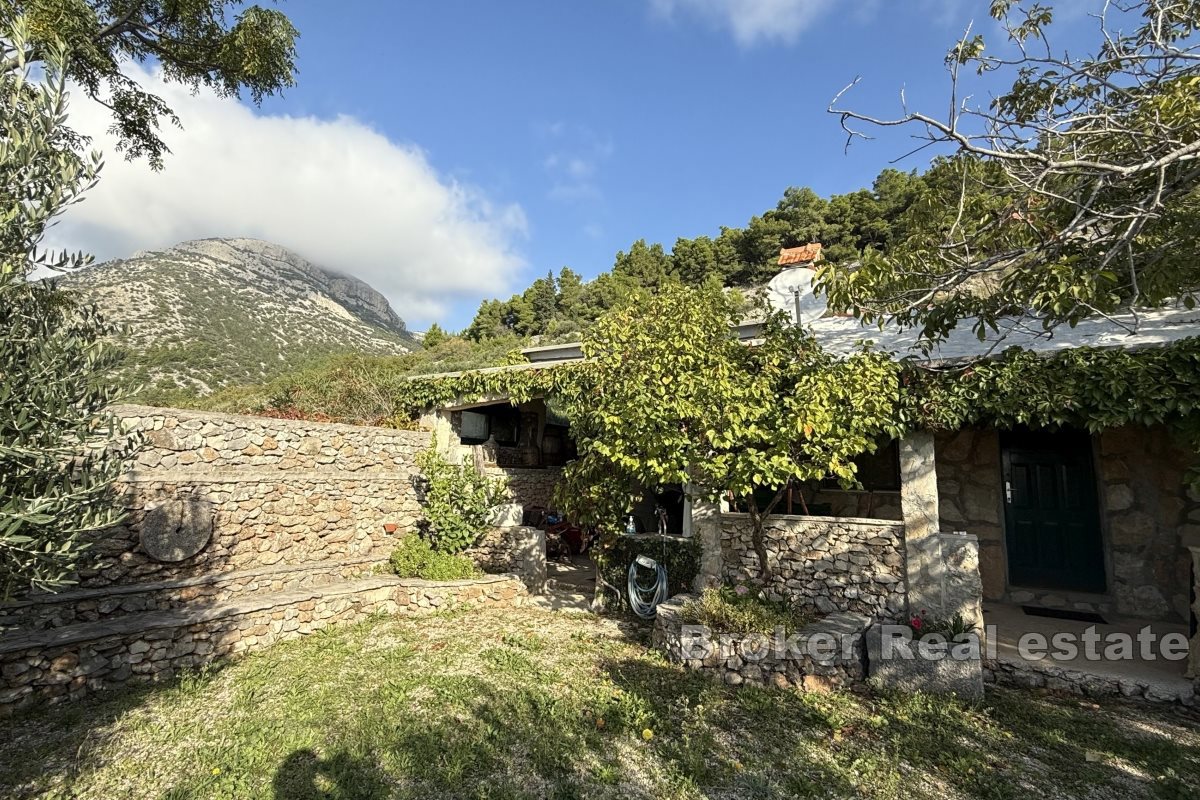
1021	530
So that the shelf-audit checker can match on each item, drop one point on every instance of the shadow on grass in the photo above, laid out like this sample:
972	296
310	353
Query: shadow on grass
866	744
60	744
305	776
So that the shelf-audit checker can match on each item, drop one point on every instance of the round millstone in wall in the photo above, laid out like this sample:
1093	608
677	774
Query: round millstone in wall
178	529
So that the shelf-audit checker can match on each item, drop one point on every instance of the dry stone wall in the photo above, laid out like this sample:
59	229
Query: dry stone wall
828	654
517	550
825	564
147	647
232	493
529	487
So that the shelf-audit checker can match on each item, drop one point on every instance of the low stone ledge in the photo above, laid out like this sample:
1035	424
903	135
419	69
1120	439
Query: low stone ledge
95	604
1020	674
825	655
204	474
71	662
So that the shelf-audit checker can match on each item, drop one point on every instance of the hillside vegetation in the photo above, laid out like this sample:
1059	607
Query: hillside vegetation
212	313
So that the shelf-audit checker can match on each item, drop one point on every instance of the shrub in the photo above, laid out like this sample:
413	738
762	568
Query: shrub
680	556
458	502
742	610
414	558
954	629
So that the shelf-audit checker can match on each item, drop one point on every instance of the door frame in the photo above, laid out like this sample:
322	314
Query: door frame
1009	440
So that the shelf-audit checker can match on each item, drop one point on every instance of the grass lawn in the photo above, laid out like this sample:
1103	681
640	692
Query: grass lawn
535	704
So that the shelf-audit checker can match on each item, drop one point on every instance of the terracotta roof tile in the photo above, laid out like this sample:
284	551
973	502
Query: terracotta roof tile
799	255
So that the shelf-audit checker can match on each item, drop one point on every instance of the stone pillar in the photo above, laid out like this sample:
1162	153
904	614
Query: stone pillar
1193	669
918	486
444	437
531	558
919	504
962	586
706	526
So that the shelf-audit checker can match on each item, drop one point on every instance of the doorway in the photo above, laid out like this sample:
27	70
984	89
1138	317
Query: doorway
1051	511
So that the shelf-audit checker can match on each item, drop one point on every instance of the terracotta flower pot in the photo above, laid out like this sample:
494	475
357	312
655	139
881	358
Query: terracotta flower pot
389	527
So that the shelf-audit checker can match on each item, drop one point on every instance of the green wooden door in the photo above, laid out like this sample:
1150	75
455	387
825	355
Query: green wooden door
1052	518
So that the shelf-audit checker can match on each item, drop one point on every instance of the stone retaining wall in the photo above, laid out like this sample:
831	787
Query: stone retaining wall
68	663
828	654
823	564
247	492
92	605
178	438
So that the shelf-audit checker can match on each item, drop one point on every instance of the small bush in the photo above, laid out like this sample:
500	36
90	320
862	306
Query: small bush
742	610
458	502
680	556
414	558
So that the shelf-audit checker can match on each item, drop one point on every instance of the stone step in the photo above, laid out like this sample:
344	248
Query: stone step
78	606
73	660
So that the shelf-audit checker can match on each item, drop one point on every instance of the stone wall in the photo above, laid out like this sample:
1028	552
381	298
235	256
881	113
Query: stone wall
1148	518
232	493
970	498
828	654
825	564
1021	674
529	487
49	666
240	531
516	550
1152	518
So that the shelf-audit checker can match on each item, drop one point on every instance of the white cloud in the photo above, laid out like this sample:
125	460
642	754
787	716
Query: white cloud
333	190
752	21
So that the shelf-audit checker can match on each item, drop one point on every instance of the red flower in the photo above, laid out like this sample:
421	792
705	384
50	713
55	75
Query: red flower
917	623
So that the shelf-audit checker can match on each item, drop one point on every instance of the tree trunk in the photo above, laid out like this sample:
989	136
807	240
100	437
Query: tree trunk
758	539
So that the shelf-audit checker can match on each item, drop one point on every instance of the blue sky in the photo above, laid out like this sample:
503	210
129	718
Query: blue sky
556	133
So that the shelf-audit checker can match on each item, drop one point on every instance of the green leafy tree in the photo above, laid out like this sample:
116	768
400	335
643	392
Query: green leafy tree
488	322
60	450
457	502
219	44
434	336
541	298
646	265
677	400
570	293
1074	193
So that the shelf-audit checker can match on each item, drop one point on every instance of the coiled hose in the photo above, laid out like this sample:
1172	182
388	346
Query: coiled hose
656	592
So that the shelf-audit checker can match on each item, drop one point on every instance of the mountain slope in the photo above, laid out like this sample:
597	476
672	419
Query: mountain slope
216	312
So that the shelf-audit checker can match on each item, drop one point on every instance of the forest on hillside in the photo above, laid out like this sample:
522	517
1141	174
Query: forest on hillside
899	207
558	307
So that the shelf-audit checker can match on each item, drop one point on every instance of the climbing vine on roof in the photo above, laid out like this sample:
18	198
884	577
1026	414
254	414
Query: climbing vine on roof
1089	388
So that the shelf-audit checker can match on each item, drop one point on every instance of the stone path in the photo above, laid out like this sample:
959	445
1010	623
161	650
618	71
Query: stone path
570	586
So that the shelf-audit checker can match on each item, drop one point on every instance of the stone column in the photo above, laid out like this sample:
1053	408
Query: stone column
919	504
706	526
918	486
962	587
